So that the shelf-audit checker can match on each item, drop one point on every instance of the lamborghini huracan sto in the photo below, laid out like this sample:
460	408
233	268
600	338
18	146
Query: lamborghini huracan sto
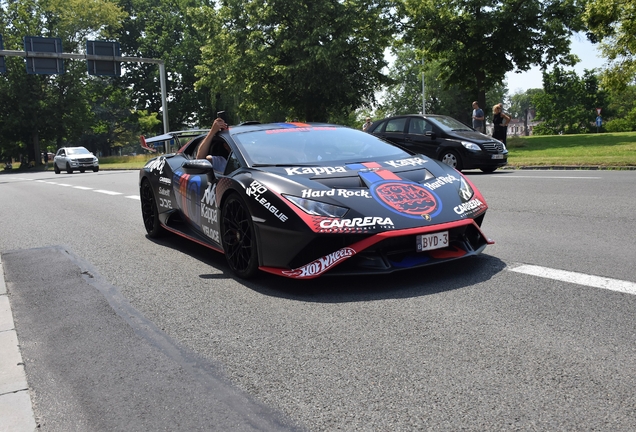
302	200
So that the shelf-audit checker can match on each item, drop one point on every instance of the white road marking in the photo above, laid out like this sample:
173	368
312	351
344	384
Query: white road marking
135	197
82	187
64	184
107	192
577	278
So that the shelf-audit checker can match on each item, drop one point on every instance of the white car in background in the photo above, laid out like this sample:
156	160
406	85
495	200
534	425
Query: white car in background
74	158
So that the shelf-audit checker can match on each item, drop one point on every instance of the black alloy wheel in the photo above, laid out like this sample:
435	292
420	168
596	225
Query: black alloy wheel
238	237
149	211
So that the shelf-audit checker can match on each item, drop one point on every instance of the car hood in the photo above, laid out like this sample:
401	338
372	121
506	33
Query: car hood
405	193
471	136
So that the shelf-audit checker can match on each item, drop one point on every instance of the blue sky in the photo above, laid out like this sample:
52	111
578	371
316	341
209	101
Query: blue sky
587	52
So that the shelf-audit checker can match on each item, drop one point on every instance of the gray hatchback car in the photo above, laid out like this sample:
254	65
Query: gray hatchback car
74	158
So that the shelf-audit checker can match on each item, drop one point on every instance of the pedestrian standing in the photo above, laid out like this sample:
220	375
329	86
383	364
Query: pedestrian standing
500	122
478	118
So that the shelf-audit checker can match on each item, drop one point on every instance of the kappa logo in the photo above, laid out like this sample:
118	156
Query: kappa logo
406	162
209	197
315	170
323	264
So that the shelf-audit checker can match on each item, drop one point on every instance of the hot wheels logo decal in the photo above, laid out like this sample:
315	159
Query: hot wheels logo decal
321	265
409	199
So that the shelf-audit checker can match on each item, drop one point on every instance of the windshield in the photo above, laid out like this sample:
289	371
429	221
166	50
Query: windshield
313	145
78	150
449	124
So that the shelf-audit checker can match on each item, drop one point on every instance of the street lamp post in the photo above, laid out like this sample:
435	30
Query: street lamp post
423	94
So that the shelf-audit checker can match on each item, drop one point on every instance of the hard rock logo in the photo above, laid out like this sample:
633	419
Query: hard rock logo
409	198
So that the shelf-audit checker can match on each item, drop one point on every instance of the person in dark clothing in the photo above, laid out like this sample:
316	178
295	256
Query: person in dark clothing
500	122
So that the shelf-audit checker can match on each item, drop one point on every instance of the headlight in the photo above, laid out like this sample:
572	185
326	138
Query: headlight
318	208
465	191
471	146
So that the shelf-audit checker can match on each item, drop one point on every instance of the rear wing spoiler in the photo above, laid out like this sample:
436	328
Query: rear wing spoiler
177	136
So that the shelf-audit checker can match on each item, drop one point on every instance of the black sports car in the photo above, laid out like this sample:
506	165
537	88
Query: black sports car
300	200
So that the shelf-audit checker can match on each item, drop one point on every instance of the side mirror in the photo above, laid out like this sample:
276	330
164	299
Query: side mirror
431	134
199	167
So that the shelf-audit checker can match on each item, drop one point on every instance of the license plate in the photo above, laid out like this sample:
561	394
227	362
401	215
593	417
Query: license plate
432	241
497	156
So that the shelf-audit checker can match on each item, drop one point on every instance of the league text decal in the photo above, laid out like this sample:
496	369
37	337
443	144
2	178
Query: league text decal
256	189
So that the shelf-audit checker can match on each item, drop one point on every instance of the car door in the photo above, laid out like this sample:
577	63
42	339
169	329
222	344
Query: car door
394	130
422	137
60	159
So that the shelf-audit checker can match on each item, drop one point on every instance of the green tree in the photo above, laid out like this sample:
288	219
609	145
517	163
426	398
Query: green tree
311	61
621	110
166	30
43	112
614	24
568	103
479	41
404	96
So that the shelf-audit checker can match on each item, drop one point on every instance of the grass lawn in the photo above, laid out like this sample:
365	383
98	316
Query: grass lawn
601	150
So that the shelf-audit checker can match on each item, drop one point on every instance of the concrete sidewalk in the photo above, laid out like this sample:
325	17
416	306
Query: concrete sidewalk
16	412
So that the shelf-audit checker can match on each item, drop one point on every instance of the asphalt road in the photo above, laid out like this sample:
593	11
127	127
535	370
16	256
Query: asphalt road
474	345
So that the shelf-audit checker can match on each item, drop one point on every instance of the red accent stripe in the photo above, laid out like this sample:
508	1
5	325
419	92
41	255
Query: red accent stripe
372	165
387	175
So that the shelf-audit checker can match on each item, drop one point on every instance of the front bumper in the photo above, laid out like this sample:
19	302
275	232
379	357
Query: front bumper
391	251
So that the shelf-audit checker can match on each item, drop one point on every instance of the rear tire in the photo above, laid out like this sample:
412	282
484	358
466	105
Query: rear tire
149	211
239	238
452	159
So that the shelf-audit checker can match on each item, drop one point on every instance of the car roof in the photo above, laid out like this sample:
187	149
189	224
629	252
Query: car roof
250	127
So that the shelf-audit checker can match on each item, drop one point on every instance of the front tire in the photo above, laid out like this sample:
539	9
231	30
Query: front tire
488	170
69	169
452	159
238	237
96	169
55	168
149	211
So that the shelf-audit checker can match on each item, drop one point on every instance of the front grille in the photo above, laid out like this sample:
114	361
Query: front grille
493	146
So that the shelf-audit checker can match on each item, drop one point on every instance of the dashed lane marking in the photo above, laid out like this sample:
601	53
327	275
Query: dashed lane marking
577	278
107	192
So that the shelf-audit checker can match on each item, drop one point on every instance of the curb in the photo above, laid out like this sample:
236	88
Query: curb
16	411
